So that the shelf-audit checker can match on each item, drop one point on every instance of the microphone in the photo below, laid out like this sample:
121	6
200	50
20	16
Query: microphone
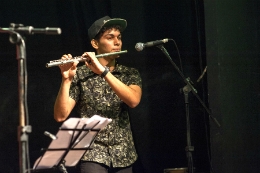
50	135
140	46
47	30
31	30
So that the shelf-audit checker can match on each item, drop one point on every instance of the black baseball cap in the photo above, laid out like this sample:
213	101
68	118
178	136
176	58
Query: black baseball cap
104	22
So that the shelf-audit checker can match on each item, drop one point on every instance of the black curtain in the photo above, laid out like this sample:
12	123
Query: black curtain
159	122
233	56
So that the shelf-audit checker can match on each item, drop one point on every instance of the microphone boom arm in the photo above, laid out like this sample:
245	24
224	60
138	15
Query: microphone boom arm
193	90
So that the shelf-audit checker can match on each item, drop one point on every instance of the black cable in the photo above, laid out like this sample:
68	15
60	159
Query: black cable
26	112
178	54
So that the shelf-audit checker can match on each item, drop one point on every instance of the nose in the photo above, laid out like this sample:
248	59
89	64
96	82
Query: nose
117	41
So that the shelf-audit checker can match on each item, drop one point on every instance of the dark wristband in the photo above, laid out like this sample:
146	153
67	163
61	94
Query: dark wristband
105	72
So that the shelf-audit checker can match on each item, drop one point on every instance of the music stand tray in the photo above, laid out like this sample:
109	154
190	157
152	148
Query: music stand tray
74	138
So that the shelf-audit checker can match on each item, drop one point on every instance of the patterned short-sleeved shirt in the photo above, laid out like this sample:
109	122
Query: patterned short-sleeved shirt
114	144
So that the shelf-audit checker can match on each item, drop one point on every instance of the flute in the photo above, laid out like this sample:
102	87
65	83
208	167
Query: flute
80	59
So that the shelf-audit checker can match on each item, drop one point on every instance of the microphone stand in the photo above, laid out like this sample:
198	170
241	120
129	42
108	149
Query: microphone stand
186	91
24	128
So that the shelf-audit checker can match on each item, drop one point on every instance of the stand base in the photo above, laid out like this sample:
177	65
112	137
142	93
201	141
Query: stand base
177	170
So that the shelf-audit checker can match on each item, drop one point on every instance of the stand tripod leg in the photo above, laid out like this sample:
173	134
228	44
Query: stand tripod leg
189	158
189	148
62	167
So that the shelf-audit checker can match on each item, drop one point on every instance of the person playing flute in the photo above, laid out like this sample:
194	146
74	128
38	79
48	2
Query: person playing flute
102	87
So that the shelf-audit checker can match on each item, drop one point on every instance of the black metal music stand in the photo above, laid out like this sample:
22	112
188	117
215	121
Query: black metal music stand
71	144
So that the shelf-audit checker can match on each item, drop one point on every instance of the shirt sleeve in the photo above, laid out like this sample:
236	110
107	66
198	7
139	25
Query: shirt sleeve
135	78
74	88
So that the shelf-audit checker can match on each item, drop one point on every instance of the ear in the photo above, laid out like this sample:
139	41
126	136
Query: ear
94	43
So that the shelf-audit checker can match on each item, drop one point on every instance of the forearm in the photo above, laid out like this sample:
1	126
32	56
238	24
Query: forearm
63	104
131	95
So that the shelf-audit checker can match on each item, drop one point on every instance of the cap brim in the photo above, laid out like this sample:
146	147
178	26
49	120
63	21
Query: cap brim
120	22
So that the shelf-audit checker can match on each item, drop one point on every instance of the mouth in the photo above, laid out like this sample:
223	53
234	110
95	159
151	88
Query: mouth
116	50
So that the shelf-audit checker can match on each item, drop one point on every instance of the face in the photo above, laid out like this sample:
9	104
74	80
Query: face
109	42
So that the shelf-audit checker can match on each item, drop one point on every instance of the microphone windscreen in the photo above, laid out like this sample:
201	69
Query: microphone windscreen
139	46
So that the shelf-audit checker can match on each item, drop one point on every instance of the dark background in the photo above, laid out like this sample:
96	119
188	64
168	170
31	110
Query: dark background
233	45
221	35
